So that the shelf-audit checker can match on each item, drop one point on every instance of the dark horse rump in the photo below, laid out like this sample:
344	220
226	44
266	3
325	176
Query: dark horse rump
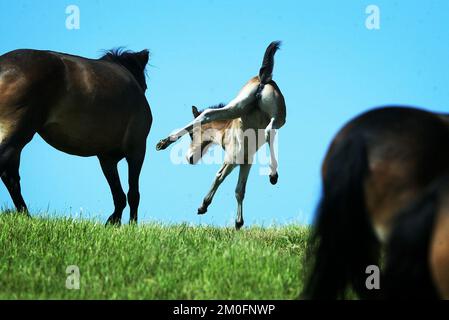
408	273
80	106
377	164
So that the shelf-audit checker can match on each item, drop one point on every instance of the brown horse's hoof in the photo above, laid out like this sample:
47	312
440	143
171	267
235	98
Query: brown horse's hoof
114	221
238	225
24	213
274	178
202	210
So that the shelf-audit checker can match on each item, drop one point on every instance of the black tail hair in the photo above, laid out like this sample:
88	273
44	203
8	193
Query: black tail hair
342	243
266	71
407	273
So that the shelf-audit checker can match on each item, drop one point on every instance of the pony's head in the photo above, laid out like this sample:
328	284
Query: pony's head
204	136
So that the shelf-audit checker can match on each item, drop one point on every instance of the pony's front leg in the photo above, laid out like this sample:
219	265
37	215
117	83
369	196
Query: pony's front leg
240	193
225	170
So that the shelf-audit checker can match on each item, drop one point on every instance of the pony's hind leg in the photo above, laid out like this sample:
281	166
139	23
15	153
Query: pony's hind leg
109	167
270	139
135	163
241	105
221	175
240	193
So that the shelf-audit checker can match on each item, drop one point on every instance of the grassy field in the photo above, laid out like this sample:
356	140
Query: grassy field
148	261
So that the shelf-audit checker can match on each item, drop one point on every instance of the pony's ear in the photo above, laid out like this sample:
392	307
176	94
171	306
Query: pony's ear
195	112
144	56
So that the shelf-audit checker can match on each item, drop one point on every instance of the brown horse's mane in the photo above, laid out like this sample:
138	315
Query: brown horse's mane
135	62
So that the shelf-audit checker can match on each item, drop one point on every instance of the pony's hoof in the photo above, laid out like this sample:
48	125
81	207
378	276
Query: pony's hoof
163	144
238	225
274	178
114	221
202	210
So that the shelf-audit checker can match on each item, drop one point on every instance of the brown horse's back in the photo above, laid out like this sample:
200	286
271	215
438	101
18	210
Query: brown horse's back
80	106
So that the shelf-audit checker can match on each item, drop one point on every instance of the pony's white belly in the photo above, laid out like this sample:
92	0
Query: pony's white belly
242	144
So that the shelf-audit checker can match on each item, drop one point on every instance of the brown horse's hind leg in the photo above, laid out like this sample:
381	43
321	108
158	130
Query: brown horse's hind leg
109	167
11	179
135	163
14	140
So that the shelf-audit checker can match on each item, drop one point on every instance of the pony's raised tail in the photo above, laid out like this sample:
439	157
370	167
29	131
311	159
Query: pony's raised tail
266	71
342	243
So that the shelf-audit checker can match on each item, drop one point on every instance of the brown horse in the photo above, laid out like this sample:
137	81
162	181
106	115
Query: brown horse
79	106
376	165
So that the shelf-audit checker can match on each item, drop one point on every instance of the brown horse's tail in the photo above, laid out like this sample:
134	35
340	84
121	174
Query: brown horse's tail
342	243
266	71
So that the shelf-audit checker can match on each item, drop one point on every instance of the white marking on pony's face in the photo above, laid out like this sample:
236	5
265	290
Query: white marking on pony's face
203	137
191	155
197	146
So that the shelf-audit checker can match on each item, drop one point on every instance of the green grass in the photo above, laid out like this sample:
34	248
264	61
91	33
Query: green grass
149	261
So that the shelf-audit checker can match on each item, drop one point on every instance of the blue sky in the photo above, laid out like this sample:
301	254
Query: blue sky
330	68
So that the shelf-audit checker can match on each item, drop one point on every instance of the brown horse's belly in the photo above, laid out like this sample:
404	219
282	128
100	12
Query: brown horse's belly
76	141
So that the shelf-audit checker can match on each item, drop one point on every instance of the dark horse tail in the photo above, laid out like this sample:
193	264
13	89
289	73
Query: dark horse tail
407	273
343	242
266	71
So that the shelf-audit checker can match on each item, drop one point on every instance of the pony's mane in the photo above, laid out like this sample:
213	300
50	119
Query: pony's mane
135	62
216	106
